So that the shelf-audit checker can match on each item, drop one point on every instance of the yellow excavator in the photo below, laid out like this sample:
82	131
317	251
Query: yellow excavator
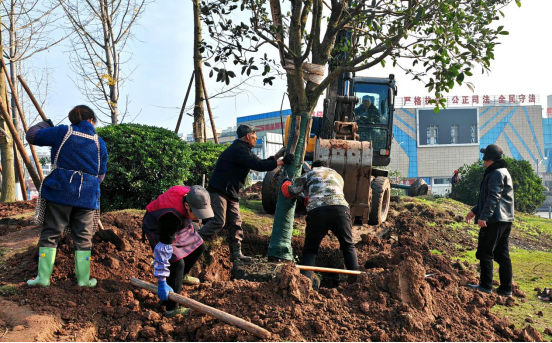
354	136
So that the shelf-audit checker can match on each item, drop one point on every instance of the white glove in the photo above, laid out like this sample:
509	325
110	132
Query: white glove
280	153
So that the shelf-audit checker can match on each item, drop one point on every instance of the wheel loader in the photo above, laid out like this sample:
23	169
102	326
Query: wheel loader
354	136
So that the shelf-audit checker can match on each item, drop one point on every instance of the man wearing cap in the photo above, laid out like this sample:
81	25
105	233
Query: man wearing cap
176	245
494	214
228	178
367	113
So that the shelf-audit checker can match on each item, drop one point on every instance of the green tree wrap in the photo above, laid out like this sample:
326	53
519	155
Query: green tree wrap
280	241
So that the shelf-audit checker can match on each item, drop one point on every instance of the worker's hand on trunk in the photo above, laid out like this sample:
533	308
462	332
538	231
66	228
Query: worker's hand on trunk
469	217
289	158
280	153
163	290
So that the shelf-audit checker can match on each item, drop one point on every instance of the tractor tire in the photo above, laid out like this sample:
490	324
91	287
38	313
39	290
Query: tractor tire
269	191
381	195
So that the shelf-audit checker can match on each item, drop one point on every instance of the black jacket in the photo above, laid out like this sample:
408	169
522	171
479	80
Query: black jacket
232	168
496	195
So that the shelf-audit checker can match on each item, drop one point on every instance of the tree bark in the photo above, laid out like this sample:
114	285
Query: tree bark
6	152
111	62
199	112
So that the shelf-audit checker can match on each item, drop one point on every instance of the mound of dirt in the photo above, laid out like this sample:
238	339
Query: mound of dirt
17	207
406	293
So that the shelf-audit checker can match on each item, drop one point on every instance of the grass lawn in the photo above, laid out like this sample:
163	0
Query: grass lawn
531	269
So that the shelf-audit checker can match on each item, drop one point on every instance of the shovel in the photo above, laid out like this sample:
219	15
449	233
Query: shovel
108	235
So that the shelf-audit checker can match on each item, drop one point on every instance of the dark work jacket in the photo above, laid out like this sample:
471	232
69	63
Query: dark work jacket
232	168
496	195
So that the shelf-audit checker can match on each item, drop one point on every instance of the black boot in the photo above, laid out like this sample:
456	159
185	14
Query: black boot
236	254
310	260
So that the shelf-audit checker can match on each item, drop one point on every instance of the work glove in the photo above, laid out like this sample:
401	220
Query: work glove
163	290
289	158
305	200
49	121
285	187
280	153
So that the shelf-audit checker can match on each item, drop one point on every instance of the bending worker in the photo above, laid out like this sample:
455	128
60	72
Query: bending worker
70	194
176	245
225	183
327	210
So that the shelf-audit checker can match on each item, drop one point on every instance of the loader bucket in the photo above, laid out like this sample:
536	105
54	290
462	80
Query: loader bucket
353	161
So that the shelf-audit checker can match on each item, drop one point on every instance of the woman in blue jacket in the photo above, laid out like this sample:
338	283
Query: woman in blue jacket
70	194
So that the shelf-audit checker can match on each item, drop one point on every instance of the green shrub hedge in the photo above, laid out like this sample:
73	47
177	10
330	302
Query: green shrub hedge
528	188
144	161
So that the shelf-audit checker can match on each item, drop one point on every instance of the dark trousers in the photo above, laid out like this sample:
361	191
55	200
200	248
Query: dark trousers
227	213
177	271
493	245
336	219
57	217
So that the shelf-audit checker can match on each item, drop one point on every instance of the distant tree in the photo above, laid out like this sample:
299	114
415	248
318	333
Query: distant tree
103	30
528	188
28	28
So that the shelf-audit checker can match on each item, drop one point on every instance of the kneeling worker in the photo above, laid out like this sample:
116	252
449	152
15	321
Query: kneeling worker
327	210
176	245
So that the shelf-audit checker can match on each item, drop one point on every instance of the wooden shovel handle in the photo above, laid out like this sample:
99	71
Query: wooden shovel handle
213	312
329	270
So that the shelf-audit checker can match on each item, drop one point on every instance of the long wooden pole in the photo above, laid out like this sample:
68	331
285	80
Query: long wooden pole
15	136
31	96
329	270
208	106
184	104
213	312
23	121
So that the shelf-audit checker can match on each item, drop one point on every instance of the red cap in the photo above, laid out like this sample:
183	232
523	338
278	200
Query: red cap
456	172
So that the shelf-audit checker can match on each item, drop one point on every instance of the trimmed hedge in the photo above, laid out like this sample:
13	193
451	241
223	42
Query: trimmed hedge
528	188
144	161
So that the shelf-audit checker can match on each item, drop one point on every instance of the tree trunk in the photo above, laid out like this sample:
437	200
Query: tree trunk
6	151
199	112
110	61
301	121
8	171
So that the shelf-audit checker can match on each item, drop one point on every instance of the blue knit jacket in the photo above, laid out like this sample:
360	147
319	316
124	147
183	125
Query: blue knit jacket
75	182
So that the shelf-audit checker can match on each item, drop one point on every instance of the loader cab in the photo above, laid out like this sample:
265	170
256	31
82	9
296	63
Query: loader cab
374	114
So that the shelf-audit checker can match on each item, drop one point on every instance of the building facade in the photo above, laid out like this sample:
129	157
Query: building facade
432	145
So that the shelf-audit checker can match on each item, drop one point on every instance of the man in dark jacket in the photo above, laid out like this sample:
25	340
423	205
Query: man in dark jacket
494	213
225	183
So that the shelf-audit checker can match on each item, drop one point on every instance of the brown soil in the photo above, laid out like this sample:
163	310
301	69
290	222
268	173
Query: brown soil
406	293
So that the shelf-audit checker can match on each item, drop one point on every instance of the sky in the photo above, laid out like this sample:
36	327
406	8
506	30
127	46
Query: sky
163	60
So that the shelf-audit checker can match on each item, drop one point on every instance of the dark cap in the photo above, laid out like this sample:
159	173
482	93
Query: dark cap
492	152
244	129
200	202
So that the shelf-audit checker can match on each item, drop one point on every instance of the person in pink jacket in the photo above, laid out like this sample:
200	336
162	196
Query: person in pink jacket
168	225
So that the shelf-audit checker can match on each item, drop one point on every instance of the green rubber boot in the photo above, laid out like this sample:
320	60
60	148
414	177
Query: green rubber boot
82	268
46	258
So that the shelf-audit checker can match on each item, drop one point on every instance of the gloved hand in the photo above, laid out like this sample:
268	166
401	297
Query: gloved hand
305	199
285	186
280	153
289	158
49	121
163	290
